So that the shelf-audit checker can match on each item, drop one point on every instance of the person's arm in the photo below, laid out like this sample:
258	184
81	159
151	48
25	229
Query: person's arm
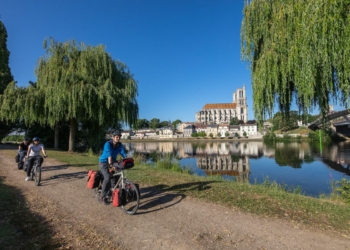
110	161
28	151
108	149
122	151
44	152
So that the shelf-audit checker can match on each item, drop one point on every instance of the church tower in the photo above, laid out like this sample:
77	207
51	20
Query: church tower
222	113
239	97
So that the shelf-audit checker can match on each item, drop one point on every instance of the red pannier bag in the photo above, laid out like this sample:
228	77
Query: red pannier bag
118	197
128	163
94	179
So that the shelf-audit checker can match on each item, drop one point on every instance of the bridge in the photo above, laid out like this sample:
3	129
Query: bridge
333	115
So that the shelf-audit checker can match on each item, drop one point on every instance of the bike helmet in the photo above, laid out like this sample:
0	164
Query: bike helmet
36	139
116	133
26	139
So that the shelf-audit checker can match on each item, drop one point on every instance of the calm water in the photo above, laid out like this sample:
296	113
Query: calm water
294	164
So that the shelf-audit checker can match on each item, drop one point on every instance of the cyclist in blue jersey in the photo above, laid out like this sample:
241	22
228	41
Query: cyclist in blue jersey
111	150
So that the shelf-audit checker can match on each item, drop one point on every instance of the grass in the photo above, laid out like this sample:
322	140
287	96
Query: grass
267	199
301	130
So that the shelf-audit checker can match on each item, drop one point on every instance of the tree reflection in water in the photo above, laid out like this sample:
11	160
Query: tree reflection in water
252	161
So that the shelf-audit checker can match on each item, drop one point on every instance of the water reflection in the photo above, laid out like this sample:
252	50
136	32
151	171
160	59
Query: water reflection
229	165
249	161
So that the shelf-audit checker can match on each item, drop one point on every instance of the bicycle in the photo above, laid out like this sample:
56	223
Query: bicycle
131	191
36	170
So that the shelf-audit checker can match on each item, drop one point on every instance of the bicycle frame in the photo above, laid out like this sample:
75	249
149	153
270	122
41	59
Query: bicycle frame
36	163
131	191
121	179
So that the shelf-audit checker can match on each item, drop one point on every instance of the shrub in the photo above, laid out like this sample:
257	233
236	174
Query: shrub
270	136
343	187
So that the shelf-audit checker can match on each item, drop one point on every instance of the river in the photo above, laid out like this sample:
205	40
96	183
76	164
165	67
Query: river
308	166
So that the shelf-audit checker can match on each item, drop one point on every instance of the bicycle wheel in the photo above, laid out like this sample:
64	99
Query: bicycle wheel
97	193
132	198
37	175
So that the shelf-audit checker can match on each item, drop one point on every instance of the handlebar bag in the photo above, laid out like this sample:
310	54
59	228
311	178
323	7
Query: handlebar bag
128	163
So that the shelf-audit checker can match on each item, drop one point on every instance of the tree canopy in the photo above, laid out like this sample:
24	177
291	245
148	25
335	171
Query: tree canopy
175	123
80	84
5	71
297	50
5	75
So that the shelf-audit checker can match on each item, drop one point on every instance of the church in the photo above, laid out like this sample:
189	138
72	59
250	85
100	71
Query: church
221	113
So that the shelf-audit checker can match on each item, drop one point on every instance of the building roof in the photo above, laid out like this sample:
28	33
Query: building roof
202	126
189	127
249	124
224	125
220	106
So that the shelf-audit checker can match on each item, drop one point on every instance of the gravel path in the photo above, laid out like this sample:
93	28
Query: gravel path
163	221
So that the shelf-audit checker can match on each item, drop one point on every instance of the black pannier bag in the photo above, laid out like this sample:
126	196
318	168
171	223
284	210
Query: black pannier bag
25	165
17	158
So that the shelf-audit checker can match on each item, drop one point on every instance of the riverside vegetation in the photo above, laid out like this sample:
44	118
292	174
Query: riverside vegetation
329	213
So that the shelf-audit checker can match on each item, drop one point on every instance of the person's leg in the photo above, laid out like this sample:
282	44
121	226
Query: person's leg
30	165
106	184
29	168
20	155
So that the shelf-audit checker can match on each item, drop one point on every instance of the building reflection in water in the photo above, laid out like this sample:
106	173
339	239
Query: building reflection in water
232	158
230	165
215	158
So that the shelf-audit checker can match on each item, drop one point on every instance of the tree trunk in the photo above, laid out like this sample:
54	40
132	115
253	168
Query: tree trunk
72	135
57	131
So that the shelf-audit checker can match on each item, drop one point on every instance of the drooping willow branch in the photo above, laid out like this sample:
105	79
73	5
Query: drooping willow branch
297	50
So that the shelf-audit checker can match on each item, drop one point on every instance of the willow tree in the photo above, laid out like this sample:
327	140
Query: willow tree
297	50
83	84
23	104
5	75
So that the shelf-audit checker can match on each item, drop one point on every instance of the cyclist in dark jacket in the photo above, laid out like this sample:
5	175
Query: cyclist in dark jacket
111	150
22	148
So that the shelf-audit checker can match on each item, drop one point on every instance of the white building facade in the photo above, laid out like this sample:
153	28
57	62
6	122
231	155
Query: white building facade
223	112
249	129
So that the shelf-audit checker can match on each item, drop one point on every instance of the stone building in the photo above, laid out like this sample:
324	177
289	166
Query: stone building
219	113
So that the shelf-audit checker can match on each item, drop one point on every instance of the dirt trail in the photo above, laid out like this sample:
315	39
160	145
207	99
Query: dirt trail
163	221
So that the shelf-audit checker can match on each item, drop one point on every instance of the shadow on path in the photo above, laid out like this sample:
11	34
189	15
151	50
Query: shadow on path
157	197
20	227
61	178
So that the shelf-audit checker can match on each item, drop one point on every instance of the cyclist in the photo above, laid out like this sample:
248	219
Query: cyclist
111	150
22	148
33	152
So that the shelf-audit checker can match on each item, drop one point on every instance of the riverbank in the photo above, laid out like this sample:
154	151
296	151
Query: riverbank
267	199
177	211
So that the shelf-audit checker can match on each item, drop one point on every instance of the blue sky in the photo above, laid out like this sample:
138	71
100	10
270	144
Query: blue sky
183	53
